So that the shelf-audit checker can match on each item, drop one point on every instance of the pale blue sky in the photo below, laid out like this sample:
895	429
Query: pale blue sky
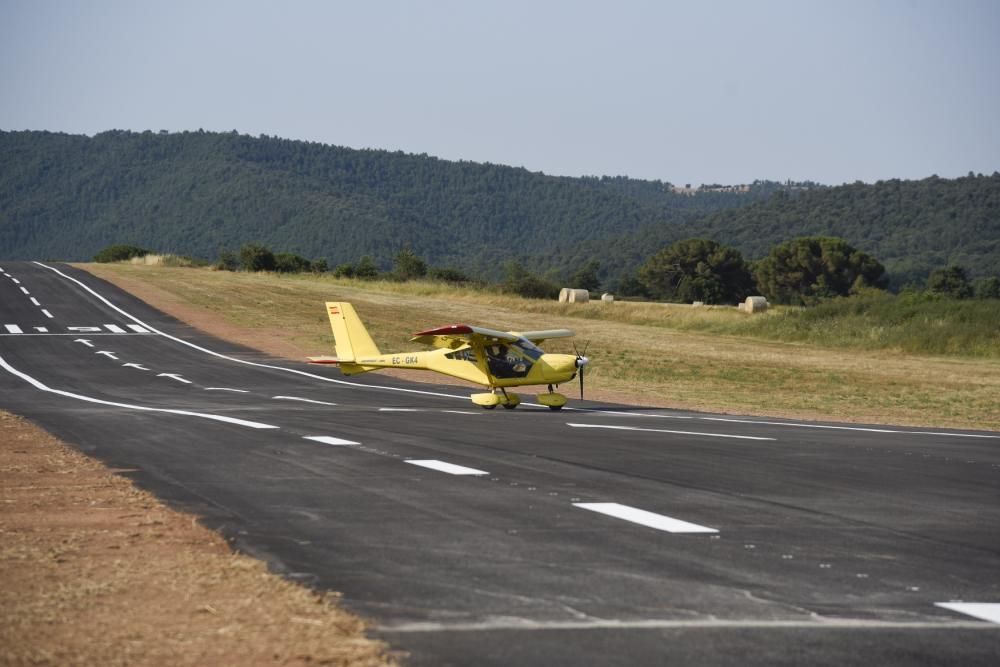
688	92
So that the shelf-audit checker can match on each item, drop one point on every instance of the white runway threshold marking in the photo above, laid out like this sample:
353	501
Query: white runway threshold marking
663	430
442	466
330	440
114	328
13	328
988	611
90	399
644	518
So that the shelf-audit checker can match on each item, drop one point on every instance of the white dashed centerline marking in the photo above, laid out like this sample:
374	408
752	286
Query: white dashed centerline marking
449	468
644	518
301	400
13	328
238	391
34	301
399	410
47	314
662	430
330	440
988	611
462	412
24	290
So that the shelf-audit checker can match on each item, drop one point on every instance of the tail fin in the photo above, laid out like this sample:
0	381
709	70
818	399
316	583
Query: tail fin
350	336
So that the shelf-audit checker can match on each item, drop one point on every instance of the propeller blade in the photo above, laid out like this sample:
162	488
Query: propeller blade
581	382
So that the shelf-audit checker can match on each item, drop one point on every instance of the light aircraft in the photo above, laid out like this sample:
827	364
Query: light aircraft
494	359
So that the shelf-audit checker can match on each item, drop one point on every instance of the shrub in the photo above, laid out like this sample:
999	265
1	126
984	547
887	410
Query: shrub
287	262
119	253
256	257
520	281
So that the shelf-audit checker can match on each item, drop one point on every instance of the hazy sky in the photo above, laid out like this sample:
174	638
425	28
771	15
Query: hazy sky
688	92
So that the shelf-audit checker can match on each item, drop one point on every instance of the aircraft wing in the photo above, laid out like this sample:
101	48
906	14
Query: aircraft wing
537	337
455	336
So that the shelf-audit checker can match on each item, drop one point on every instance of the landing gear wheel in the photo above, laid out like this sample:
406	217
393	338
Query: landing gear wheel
555	408
509	406
490	407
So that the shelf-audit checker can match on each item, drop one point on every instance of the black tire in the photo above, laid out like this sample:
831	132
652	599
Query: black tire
555	408
489	407
510	406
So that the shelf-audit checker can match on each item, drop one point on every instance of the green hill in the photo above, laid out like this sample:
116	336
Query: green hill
912	227
194	193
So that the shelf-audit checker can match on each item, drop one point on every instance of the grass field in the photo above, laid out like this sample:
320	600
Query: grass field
864	360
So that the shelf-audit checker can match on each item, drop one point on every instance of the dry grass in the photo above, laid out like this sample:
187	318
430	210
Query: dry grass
96	572
641	352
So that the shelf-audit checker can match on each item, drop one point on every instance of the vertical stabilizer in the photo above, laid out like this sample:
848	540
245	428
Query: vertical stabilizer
350	336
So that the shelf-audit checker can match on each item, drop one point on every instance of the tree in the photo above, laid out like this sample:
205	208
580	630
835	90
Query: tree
586	278
987	288
366	269
519	281
119	253
344	270
806	269
319	266
950	281
697	270
407	266
256	257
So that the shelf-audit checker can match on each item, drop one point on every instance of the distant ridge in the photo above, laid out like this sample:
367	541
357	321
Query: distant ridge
66	196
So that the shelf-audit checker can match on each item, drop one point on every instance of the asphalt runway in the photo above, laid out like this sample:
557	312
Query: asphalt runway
598	535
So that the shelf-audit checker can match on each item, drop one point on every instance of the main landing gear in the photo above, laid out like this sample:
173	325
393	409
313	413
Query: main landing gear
491	399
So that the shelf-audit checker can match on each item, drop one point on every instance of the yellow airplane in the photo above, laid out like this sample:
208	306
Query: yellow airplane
495	359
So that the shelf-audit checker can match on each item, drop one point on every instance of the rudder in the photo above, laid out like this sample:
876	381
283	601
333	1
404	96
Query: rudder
351	339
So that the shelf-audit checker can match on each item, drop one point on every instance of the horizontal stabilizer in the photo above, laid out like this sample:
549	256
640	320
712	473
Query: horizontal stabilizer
323	360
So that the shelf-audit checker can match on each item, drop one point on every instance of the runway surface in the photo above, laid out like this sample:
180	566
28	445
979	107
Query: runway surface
600	535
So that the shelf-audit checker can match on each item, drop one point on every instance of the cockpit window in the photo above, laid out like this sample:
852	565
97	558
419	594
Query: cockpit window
512	361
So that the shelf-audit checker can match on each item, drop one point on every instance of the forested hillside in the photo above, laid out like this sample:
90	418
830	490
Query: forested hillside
64	196
195	193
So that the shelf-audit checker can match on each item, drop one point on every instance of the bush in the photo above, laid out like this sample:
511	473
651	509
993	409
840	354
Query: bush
255	257
520	281
407	266
987	288
448	275
950	281
119	253
287	262
366	269
228	261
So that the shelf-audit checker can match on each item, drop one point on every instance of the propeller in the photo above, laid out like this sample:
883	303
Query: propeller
581	362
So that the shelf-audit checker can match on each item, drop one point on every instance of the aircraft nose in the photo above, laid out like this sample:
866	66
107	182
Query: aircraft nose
582	361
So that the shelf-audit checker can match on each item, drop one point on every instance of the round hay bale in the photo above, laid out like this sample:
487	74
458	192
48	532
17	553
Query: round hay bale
756	304
608	298
564	295
579	296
